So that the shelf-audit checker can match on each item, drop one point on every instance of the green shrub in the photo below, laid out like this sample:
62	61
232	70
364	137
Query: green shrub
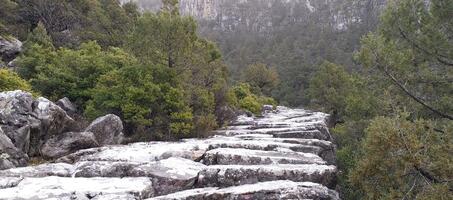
141	100
9	80
243	97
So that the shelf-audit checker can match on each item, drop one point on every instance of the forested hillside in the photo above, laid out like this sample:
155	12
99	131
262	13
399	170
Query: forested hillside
293	37
151	69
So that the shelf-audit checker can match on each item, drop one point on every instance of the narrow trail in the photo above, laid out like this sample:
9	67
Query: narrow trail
286	154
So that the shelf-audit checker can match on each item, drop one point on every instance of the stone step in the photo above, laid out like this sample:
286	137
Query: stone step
264	125
53	187
140	152
324	149
272	131
169	175
233	175
43	170
264	145
230	156
309	134
272	190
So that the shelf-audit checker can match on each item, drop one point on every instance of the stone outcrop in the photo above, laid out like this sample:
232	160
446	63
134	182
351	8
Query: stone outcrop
66	143
29	122
246	160
38	127
9	48
107	129
10	156
260	15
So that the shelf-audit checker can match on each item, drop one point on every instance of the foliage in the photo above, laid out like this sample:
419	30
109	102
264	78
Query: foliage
7	16
330	87
164	39
168	39
382	153
261	77
39	36
294	39
70	23
404	159
106	22
70	73
11	81
244	98
142	100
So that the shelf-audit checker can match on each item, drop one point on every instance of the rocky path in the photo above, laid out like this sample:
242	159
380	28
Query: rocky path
287	154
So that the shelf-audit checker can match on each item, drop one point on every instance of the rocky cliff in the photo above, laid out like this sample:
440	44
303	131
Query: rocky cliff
286	154
264	15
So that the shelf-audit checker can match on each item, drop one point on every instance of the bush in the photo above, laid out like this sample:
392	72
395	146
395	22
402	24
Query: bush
244	98
11	81
70	73
142	101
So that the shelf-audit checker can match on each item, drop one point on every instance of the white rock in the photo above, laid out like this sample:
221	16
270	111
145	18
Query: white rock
78	188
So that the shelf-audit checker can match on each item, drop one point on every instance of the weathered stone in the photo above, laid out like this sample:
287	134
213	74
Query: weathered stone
267	108
140	152
232	175
272	144
43	170
107	129
170	175
10	156
28	122
104	169
9	48
115	197
67	105
17	119
54	119
272	190
228	156
77	188
67	143
9	182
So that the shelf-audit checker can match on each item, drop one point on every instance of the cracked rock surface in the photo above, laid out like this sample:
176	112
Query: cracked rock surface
285	154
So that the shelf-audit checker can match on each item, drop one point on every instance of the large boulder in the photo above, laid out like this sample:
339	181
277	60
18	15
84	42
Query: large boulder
10	156
67	143
16	118
108	129
9	48
29	122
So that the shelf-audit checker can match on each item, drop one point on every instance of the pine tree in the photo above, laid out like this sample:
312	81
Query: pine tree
39	36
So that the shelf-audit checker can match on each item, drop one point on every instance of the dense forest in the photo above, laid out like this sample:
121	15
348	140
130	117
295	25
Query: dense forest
387	81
